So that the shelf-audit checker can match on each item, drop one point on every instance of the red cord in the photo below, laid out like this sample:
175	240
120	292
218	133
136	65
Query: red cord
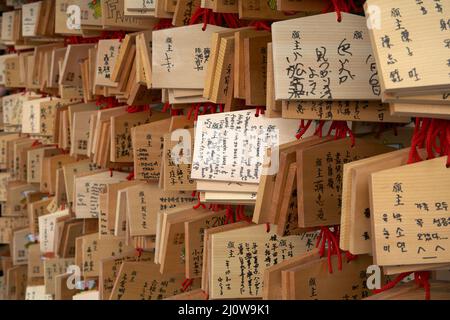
199	204
229	215
259	110
303	128
163	24
187	283
261	25
421	278
130	176
139	252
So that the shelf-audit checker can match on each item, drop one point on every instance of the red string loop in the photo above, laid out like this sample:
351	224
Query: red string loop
186	285
130	176
261	25
341	131
199	204
421	278
303	128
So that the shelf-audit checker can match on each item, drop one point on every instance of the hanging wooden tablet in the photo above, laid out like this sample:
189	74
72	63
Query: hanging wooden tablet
52	268
16	283
7	225
62	17
121	126
144	201
95	249
71	74
62	292
15	196
194	240
12	72
409	59
309	66
239	58
256	70
107	53
193	295
184	11
180	61
19	252
18	148
355	217
47	227
412	110
147	141
439	99
371	111
120	223
110	267
228	124
172	246
160	10
70	170
320	189
287	157
313	281
138	5
35	210
72	230
87	189
273	107
80	132
54	163
287	223
142	280
7	26
31	115
112	17
177	171
408	214
35	263
112	201
265	249
272	289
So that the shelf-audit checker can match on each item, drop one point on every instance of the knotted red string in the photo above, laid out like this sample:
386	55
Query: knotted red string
215	207
199	204
134	109
163	24
319	129
341	131
139	252
36	143
229	215
339	6
303	128
261	25
259	110
207	16
187	283
421	278
327	240
107	103
434	136
438	139
240	214
201	109
383	127
130	176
